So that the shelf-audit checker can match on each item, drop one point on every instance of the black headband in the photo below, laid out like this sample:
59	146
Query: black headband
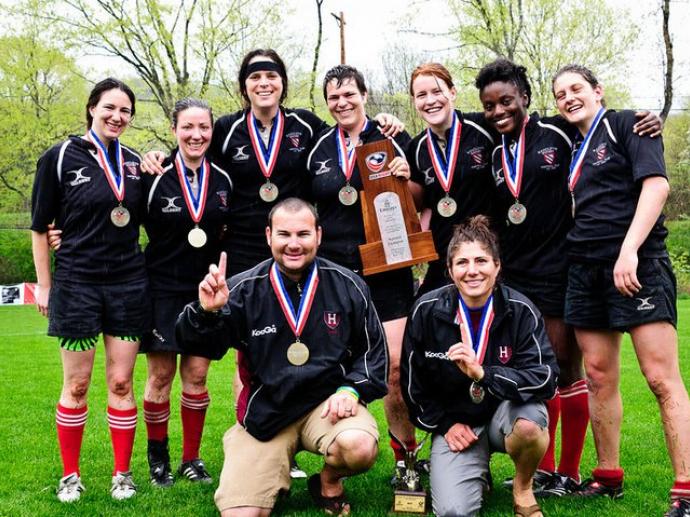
261	66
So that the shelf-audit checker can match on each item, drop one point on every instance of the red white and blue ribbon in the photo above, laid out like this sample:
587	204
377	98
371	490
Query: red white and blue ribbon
195	204
266	156
114	177
579	158
444	164
513	167
346	156
480	340
296	319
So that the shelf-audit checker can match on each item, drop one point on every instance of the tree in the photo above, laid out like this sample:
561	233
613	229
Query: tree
41	102
668	62
317	51
176	48
542	35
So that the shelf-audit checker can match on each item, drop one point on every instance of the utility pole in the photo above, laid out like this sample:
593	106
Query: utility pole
341	23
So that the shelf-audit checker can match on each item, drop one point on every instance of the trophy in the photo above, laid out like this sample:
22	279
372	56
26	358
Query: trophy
409	496
391	226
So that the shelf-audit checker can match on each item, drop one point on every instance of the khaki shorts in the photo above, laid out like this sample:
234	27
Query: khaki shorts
255	472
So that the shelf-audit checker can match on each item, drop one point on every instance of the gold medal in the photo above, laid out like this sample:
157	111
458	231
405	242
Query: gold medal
297	353
517	213
196	237
447	206
120	216
268	192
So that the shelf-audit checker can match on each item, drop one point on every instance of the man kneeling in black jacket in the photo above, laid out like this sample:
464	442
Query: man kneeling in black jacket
314	353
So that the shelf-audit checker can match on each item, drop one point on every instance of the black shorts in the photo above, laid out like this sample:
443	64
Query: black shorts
592	300
392	293
547	293
77	310
165	309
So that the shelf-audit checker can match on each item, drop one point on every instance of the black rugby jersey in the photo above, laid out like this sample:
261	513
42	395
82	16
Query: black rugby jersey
607	192
232	150
473	188
537	246
174	265
72	190
343	227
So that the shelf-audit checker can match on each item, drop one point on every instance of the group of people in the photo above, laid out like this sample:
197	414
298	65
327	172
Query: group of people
486	355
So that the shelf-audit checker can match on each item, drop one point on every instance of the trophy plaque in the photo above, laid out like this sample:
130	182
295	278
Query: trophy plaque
409	495
391	226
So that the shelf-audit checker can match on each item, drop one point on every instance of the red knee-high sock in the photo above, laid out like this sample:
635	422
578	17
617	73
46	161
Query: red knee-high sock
609	477
398	451
193	413
156	416
680	490
70	431
553	406
123	425
574	422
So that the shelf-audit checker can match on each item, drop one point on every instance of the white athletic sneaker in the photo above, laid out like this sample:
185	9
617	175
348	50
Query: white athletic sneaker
70	488
297	473
123	486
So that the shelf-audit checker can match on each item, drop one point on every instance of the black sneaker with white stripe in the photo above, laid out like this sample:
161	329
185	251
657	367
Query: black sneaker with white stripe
159	463
591	488
195	471
557	486
679	508
540	479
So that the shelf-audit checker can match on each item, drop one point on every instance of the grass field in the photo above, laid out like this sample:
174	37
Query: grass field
31	378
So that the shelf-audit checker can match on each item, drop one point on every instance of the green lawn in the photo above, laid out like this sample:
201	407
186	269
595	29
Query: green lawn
31	379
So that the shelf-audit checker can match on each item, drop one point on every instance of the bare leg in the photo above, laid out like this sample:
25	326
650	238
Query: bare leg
76	377
656	345
526	446
193	371
350	453
119	368
161	372
601	353
396	411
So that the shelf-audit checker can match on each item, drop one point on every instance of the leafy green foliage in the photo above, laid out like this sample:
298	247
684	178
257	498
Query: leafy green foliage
41	102
543	35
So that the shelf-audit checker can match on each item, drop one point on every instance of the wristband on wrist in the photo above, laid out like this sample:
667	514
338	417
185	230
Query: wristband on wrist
349	391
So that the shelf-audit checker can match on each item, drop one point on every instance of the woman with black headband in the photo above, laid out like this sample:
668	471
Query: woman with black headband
264	148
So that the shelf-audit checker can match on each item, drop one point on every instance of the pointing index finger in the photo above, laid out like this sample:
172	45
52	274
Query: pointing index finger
222	262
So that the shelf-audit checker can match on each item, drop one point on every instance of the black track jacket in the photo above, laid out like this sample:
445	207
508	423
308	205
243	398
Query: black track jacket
519	364
345	338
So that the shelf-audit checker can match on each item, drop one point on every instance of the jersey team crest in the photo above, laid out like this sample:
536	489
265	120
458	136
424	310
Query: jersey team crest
376	161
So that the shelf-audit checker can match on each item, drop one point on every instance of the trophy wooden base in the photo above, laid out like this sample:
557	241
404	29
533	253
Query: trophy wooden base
374	258
409	502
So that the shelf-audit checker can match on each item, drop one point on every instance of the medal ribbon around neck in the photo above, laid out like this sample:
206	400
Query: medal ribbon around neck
115	178
346	157
579	158
195	204
267	158
444	165
513	168
478	342
296	320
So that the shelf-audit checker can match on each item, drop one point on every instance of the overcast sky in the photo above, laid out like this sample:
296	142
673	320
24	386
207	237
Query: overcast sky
366	18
